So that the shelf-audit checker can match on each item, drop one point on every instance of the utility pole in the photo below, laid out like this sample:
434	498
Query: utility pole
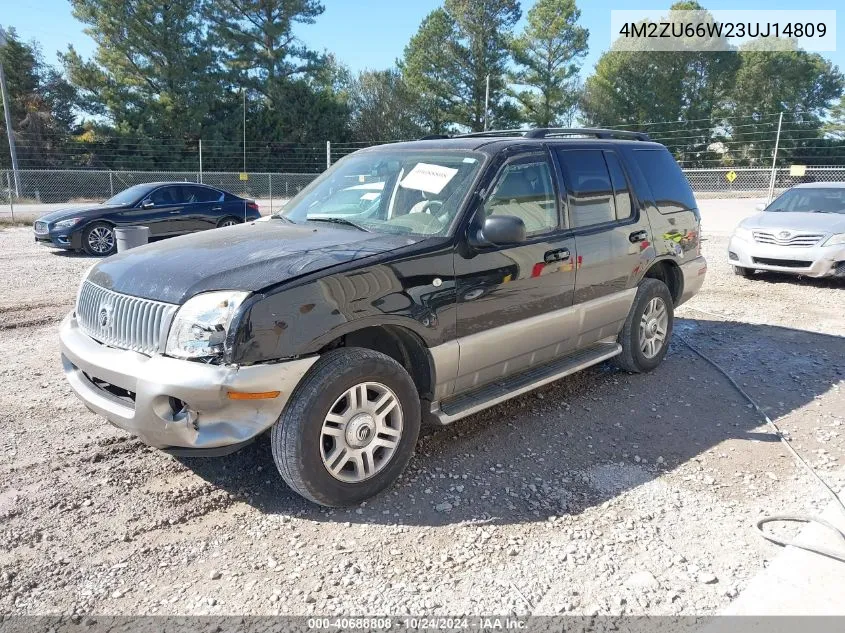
8	116
774	162
244	94
486	101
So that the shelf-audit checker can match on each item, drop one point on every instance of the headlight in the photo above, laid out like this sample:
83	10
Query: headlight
835	240
201	325
64	224
743	233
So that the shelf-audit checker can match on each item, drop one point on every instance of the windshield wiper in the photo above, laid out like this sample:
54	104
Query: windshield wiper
279	216
340	221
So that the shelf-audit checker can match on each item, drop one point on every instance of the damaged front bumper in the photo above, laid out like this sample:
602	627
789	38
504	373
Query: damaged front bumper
171	403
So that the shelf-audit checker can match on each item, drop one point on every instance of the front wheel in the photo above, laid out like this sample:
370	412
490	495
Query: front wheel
742	271
648	328
349	429
98	240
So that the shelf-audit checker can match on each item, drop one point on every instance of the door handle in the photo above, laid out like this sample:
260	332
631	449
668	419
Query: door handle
216	208
174	212
557	255
638	236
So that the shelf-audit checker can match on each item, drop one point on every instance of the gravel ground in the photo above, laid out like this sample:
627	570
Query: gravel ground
603	493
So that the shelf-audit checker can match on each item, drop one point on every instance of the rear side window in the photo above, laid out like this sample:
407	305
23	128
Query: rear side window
667	182
589	184
203	194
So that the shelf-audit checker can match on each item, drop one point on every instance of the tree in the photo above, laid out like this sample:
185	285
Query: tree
260	50
154	70
383	107
448	60
799	84
548	55
41	103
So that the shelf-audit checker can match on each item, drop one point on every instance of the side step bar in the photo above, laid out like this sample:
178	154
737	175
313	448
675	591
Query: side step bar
491	394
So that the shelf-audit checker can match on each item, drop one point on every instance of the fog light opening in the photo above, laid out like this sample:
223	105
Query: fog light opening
733	256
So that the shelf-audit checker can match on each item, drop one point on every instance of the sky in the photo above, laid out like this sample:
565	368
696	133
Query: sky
369	34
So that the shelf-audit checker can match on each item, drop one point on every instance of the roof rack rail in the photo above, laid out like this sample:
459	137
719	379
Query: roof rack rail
433	137
546	132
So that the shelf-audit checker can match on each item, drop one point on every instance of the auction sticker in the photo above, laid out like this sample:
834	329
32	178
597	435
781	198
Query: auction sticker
429	178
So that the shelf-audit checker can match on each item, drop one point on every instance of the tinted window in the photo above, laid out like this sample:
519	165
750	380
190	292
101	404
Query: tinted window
667	182
620	186
524	190
167	196
589	184
202	194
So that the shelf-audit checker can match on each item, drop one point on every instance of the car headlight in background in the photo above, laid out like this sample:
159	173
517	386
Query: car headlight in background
835	240
201	325
743	233
66	224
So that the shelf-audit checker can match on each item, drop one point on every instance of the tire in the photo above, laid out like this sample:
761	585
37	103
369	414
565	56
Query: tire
95	239
650	294
228	221
304	450
748	273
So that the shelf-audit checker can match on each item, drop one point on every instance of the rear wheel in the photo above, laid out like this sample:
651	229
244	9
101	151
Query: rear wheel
228	221
743	272
349	429
98	240
648	328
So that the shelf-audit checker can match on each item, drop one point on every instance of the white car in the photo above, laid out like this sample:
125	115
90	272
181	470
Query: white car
802	232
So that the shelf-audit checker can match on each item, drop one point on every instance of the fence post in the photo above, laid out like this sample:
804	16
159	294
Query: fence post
111	183
774	162
11	202
328	154
270	183
200	161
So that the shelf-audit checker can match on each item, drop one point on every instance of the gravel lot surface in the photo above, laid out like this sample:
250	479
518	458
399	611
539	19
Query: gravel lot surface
602	493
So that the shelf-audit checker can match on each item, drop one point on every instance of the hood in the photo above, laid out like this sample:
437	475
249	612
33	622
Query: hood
806	222
242	257
75	212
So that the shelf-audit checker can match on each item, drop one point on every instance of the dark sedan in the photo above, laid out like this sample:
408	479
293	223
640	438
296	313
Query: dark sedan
167	208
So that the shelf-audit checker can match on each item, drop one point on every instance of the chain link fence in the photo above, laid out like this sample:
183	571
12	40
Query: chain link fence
38	191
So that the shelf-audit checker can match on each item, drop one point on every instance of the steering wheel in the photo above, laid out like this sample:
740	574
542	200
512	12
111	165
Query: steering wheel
433	207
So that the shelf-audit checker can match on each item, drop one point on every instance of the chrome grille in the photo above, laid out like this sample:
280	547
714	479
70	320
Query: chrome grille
123	321
40	227
793	239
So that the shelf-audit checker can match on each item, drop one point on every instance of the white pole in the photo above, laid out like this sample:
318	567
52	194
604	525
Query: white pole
486	101
200	161
270	186
244	93
774	162
328	154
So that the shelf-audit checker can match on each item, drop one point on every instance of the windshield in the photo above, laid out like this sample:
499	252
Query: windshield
128	196
393	191
815	200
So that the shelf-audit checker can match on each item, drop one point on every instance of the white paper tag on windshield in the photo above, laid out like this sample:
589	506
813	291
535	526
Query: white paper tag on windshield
429	178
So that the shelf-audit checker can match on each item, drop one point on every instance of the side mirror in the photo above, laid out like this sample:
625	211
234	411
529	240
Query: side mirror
760	206
500	230
147	204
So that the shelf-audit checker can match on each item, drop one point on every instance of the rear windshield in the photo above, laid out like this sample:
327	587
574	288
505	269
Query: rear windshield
667	182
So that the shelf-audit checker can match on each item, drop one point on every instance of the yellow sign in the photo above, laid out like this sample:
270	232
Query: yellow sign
243	176
730	176
797	170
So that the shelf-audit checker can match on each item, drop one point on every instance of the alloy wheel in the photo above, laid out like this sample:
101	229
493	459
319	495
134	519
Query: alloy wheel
101	239
653	327
361	432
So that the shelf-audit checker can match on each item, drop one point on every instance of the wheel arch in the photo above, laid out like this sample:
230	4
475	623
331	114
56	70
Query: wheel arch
669	272
400	343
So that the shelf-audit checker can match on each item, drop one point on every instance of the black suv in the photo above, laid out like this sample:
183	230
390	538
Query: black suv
413	282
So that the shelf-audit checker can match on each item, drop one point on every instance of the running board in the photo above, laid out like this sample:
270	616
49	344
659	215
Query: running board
491	394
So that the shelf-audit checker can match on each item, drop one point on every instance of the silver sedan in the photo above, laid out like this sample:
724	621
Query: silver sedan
802	232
